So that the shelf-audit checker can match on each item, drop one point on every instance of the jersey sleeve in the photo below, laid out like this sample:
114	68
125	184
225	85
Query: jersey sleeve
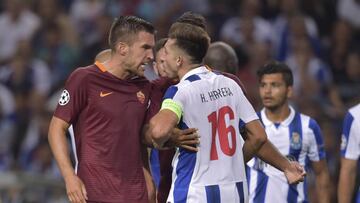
316	144
174	101
350	139
247	112
73	98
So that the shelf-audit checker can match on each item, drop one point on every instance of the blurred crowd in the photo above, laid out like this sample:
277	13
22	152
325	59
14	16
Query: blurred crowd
43	41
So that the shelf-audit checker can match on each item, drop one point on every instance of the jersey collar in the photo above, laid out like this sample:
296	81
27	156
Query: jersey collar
201	69
285	122
100	66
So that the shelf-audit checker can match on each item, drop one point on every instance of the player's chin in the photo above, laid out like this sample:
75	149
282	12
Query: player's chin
141	71
269	105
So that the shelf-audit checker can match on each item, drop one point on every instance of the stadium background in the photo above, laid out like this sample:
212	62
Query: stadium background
42	41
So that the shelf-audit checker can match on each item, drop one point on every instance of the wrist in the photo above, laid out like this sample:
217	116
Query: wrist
286	165
69	176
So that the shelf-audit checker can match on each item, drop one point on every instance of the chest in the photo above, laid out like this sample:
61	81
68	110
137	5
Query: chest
115	100
288	140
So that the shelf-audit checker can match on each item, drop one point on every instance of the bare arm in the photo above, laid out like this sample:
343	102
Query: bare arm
256	137
150	185
58	144
161	126
347	180
322	181
256	144
259	145
271	155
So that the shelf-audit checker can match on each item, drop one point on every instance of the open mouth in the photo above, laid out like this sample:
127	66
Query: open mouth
143	65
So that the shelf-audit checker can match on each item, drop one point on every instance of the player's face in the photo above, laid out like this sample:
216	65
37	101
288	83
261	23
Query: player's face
159	64
170	57
273	91
140	53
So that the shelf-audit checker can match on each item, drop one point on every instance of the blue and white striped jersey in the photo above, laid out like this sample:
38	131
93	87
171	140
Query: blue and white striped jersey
299	138
214	104
350	139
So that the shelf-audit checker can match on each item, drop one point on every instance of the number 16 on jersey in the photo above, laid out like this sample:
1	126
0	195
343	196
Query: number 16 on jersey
218	126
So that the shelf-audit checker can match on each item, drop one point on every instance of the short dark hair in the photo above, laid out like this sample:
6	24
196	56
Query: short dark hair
125	28
192	19
277	67
160	44
192	39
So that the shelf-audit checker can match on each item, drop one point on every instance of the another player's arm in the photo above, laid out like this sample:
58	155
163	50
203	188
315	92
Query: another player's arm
150	185
322	180
161	126
269	153
350	155
255	138
293	171
347	180
59	146
186	138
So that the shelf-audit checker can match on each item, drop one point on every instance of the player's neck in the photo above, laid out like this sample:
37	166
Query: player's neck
277	115
185	69
117	69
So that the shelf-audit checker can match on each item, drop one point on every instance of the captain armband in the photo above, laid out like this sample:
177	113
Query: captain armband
172	106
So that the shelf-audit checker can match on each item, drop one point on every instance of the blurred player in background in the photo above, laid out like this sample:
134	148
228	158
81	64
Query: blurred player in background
297	137
350	153
222	57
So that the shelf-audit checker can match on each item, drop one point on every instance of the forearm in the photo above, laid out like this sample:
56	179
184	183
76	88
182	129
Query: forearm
322	187
150	185
59	148
146	138
255	138
161	126
249	151
346	186
272	156
159	137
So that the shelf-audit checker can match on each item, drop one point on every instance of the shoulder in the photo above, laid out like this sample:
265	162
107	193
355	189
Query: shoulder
310	127
182	87
171	92
82	74
355	111
308	122
352	115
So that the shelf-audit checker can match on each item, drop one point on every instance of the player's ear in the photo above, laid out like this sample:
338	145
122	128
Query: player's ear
179	61
122	48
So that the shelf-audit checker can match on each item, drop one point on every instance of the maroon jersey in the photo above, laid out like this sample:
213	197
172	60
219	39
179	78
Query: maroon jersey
107	114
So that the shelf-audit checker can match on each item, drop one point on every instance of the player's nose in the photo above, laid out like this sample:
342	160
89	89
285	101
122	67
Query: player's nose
150	55
267	89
